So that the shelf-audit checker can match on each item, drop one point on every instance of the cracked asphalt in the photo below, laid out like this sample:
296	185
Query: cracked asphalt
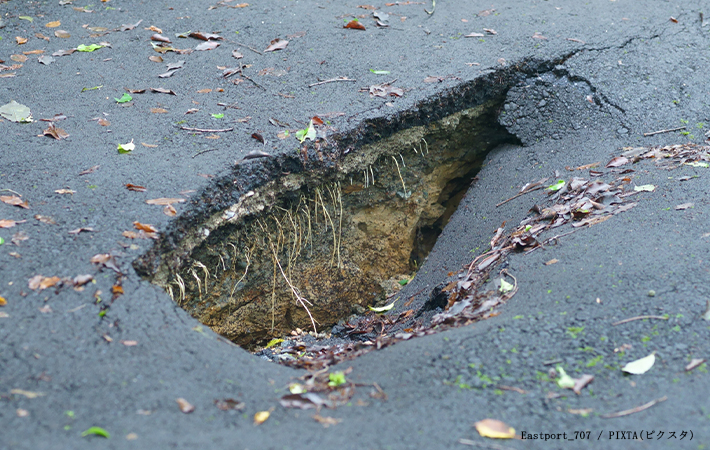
589	80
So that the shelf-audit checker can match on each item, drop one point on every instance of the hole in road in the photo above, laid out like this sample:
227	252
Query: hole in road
314	247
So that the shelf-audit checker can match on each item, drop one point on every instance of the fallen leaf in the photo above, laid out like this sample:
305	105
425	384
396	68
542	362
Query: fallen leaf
14	200
81	280
354	25
261	417
697	164
185	406
131	344
552	261
556	186
79	230
163	91
41	36
229	404
490	31
56	118
205	36
134	187
20	40
154	28
6	223
15	112
45	219
584	412
640	366
145	227
27	18
160	38
3	302
645	187
564	380
326	421
204	91
22	412
126	148
62	34
617	161
88	48
126	97
471	35
276	44
55	132
162	202
170	211
103	122
157	59
581	382
685	206
18	58
46	309
149	145
208	45
258	137
237	55
96	431
538	35
383	308
695	362
28	394
65	191
495	429
89	170
158	110
54	24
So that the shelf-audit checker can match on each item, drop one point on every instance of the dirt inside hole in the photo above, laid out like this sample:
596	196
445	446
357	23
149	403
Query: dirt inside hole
313	248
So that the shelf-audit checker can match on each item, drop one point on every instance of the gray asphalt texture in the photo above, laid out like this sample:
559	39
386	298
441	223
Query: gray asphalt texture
645	71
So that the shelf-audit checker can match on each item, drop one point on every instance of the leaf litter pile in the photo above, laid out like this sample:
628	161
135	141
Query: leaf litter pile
573	202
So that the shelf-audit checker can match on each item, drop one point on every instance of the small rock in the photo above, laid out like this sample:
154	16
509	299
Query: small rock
651	293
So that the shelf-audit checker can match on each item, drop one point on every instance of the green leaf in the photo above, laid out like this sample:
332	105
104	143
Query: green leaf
88	48
2	241
97	431
274	342
556	186
640	366
126	148
31	19
645	187
91	88
384	308
308	133
16	112
505	287
125	98
403	282
296	388
336	379
564	381
218	116
697	164
380	72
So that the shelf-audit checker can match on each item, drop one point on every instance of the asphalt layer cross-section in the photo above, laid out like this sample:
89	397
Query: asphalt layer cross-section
644	66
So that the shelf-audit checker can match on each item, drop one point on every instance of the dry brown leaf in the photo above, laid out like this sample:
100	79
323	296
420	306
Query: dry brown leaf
154	28
212	136
164	201
130	344
237	55
14	200
185	406
6	223
148	145
617	161
20	40
54	24
18	58
552	261
65	191
104	122
158	110
204	91
160	38
135	187
45	219
276	44
490	31
326	421
581	382
62	34
33	52
55	132
145	227
495	429
81	280
207	45
41	36
354	25
163	91
538	35
157	59
79	230
170	210
28	394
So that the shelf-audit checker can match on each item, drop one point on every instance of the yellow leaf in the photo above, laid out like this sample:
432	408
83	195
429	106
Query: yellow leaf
3	302
54	24
261	417
20	40
28	394
495	429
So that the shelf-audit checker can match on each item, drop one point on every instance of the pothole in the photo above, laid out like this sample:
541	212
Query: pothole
302	242
312	248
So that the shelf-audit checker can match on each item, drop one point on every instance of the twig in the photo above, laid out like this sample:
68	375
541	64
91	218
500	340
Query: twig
638	318
206	130
255	83
512	388
634	410
244	45
483	444
557	237
518	195
332	80
664	131
551	362
433	8
10	190
205	151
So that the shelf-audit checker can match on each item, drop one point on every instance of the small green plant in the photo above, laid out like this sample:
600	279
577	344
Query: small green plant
336	379
594	361
574	331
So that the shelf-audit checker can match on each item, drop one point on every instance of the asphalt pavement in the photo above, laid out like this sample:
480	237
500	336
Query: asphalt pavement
579	83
